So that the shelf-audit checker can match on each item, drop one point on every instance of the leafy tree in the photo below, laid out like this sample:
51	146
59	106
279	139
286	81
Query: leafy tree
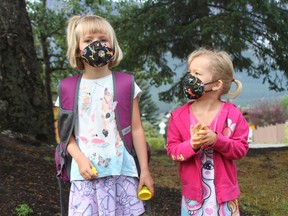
147	105
49	26
284	105
23	101
253	32
151	31
266	113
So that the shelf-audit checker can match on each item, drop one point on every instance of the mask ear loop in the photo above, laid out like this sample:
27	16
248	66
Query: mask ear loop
207	84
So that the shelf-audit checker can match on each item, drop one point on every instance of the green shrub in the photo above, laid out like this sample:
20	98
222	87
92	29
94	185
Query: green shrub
23	210
156	142
286	132
150	130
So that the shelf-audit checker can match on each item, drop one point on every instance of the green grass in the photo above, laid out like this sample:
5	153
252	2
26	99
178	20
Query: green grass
263	182
262	176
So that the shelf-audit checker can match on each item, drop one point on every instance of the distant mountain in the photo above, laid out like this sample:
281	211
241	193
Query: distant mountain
254	90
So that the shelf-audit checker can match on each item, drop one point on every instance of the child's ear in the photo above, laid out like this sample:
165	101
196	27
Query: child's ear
217	85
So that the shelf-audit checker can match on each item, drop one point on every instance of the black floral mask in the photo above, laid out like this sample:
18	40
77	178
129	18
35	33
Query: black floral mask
193	87
97	54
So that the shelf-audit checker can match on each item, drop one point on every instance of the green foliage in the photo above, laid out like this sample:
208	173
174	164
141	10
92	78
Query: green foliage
23	210
49	25
284	105
151	33
156	140
254	33
286	132
148	107
156	143
266	113
150	130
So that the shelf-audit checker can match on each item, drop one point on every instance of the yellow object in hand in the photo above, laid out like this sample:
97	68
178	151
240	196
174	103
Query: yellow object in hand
144	193
94	170
201	132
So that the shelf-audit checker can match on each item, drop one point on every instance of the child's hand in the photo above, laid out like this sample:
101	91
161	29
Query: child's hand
196	135
86	168
146	179
204	136
208	137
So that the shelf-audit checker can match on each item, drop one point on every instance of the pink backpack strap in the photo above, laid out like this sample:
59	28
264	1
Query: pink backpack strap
68	92
124	95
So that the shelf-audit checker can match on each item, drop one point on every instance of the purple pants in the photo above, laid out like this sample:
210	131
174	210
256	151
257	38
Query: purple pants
112	195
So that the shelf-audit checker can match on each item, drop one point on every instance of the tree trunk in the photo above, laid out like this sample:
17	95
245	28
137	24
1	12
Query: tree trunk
24	106
47	71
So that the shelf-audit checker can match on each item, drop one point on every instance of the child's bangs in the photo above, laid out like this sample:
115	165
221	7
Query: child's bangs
92	25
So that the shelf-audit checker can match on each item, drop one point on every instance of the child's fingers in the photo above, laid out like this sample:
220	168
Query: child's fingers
93	171
194	128
205	127
196	146
191	129
201	133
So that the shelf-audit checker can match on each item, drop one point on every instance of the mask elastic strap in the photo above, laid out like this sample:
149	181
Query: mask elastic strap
210	82
208	91
207	84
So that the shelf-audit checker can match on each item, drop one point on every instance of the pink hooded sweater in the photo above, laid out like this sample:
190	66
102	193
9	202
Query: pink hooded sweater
231	144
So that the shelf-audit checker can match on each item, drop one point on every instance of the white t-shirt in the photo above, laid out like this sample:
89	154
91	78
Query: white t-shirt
97	134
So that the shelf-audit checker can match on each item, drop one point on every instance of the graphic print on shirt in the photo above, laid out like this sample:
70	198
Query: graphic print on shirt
107	111
195	208
102	136
108	117
229	128
209	204
103	162
86	100
229	208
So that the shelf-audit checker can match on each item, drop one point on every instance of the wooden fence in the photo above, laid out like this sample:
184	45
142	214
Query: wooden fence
269	134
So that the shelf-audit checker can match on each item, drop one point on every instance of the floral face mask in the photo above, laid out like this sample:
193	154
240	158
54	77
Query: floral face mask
97	54
193	87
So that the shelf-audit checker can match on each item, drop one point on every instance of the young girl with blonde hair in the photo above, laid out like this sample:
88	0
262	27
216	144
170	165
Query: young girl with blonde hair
104	177
206	136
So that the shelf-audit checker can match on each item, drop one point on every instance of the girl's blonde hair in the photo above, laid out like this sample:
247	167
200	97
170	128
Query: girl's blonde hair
222	69
79	25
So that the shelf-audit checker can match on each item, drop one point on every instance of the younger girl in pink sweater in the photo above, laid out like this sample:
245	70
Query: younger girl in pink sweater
206	136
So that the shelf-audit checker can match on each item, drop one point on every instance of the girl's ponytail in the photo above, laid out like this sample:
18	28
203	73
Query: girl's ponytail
237	91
